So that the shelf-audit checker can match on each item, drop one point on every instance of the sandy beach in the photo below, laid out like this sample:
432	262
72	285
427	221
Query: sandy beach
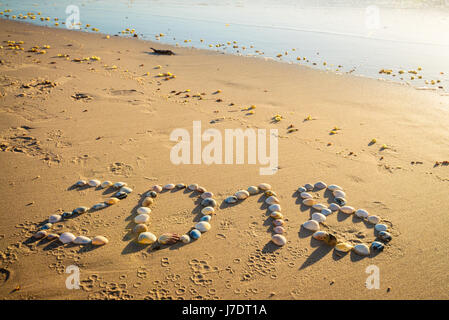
95	107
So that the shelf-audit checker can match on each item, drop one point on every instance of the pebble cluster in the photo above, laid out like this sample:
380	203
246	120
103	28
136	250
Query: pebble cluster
273	206
143	216
339	204
68	237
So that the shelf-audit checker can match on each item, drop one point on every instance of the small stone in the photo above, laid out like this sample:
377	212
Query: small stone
119	185
347	209
156	188
339	194
195	234
279	230
374	219
192	187
311	225
344	247
143	210
275	207
276	215
185	238
82	240
326	212
207	195
361	213
381	227
54	218
40	234
147	202
242	194
253	190
334	187
146	238
139	228
340	201
209	202
181	186
306	195
320	235
106	184
111	201
94	183
80	210
361	249
52	236
169	186
318	217
99	241
334	207
99	206
308	186
319	206
142	218
264	186
127	190
384	236
231	200
66	237
80	183
301	190
207	210
152	194
278	222
272	200
320	185
46	226
279	240
203	226
377	246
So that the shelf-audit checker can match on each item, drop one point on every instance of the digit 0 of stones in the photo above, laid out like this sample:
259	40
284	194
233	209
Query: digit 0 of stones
143	216
68	237
340	205
274	208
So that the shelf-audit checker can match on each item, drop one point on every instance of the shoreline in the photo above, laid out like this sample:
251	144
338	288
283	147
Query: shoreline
118	127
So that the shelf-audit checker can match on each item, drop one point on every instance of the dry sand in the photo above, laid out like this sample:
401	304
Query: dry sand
50	140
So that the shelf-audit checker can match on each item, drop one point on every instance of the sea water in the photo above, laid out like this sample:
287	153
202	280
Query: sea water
359	37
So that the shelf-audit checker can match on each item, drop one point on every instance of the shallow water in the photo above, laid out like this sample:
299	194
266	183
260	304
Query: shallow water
339	36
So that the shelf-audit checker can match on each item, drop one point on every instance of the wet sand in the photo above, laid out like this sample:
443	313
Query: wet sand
119	130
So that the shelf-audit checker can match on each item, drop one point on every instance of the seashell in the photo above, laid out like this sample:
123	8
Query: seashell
146	238
120	195
156	188
320	235
52	236
253	190
46	226
94	183
152	194
181	186
330	240
201	189
66	237
111	201
231	199
326	212
192	187
270	193
203	226
306	195
340	201
195	234
119	185
311	225
377	246
106	184
384	236
207	210
139	228
141	218
99	241
271	200
361	249
80	210
264	186
242	194
66	215
80	183
381	227
339	194
318	217
334	207
344	247
308	186
279	230
334	187
347	209
143	210
54	218
301	189
279	240
373	219
127	190
308	202
82	240
185	238
361	213
206	218
40	234
168	238
319	206
147	202
209	202
320	185
99	206
276	215
275	207
207	195
278	222
169	186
